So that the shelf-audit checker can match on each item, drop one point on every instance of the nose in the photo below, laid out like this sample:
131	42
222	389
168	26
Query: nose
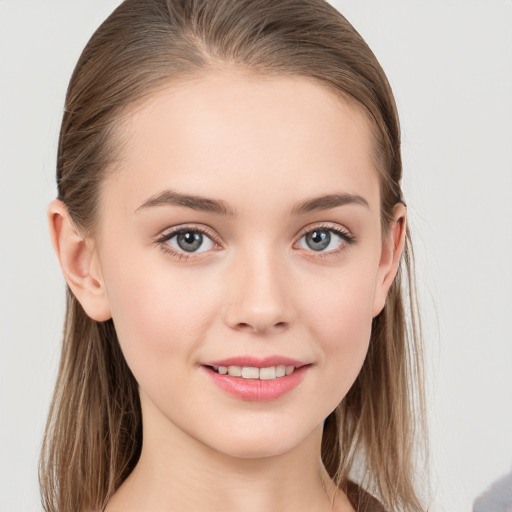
259	301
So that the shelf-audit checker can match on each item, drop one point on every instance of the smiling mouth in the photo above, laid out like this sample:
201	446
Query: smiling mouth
257	379
251	372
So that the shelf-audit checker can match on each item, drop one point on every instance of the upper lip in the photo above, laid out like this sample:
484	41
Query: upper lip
256	362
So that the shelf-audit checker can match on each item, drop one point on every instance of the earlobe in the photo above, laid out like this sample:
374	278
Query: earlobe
392	250
78	261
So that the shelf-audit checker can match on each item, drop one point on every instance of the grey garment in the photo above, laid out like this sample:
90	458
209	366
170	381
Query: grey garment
498	498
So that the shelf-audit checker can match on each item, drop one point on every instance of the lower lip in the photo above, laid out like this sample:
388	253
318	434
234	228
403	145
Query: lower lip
257	390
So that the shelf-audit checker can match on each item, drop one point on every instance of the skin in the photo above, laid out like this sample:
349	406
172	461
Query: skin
261	147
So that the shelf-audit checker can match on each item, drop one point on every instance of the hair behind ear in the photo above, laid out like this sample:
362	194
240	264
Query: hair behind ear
93	434
374	421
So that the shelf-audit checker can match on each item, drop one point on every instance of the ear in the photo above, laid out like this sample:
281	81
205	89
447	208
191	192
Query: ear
392	249
79	262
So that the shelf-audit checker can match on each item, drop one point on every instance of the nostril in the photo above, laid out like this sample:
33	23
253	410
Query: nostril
262	327
258	316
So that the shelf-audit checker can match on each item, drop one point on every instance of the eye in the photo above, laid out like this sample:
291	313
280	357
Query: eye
324	240
187	241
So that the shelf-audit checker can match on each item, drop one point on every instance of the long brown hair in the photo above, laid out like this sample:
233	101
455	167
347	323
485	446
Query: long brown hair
94	432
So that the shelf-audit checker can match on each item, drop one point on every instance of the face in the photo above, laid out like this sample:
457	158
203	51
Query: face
240	234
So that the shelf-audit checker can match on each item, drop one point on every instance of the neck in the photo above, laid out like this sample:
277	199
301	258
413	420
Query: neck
177	472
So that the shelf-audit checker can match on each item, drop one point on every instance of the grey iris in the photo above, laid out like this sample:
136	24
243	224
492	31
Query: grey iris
318	240
189	241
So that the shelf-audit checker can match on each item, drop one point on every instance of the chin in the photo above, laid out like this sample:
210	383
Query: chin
263	443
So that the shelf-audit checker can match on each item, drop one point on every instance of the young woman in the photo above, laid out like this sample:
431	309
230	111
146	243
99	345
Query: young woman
232	231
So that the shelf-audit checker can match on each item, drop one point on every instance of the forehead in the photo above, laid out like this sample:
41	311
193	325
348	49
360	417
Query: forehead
220	134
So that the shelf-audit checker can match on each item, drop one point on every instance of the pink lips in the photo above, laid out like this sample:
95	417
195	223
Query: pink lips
256	389
257	362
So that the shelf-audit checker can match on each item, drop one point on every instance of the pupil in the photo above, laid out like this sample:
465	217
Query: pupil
318	240
190	241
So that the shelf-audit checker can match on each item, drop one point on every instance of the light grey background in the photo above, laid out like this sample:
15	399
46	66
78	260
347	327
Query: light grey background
450	64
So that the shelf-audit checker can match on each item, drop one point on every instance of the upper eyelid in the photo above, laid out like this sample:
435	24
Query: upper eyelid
328	226
169	232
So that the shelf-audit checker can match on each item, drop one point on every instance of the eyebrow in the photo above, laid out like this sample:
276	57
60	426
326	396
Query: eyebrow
172	198
169	197
329	201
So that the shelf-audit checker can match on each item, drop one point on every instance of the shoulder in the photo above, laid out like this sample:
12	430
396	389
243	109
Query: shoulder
361	500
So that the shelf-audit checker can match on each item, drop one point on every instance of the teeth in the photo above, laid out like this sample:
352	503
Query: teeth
251	372
235	371
268	373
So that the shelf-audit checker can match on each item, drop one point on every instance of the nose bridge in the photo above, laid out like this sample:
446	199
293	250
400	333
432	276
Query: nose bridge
258	298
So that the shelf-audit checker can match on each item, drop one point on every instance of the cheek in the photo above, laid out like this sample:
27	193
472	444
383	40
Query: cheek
341	305
159	318
340	320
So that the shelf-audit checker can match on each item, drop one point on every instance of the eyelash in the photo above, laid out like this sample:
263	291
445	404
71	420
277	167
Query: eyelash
346	237
163	240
